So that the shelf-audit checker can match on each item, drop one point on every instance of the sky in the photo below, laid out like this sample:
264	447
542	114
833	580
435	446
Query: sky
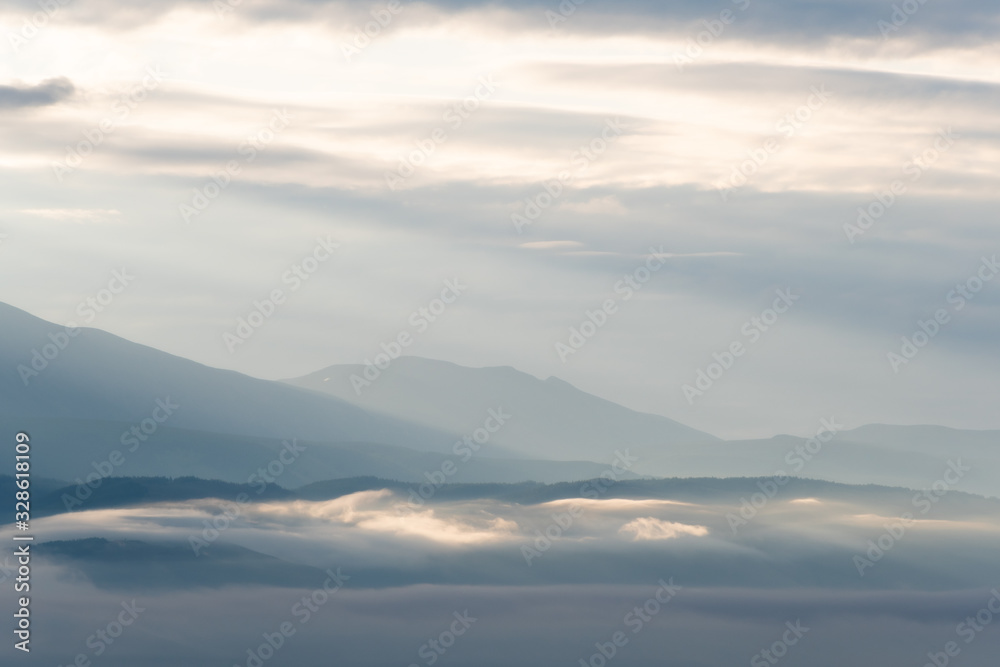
651	176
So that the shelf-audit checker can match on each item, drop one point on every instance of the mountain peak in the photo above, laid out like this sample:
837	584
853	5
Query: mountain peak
548	418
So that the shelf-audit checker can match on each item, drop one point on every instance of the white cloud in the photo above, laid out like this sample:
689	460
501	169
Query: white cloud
83	215
651	528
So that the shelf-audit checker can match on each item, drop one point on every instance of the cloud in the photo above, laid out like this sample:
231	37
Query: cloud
74	214
548	245
371	511
651	528
609	205
378	537
46	93
764	21
685	132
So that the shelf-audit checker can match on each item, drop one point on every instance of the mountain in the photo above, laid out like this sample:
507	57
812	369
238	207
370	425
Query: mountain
122	492
73	449
85	396
549	419
98	376
916	457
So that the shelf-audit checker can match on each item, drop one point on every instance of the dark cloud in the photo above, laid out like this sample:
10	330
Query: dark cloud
801	22
46	93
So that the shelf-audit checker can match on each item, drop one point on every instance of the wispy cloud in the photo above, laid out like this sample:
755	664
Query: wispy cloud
83	215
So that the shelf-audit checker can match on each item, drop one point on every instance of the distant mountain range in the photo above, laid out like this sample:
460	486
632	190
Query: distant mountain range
553	419
916	457
120	492
101	377
549	419
86	396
